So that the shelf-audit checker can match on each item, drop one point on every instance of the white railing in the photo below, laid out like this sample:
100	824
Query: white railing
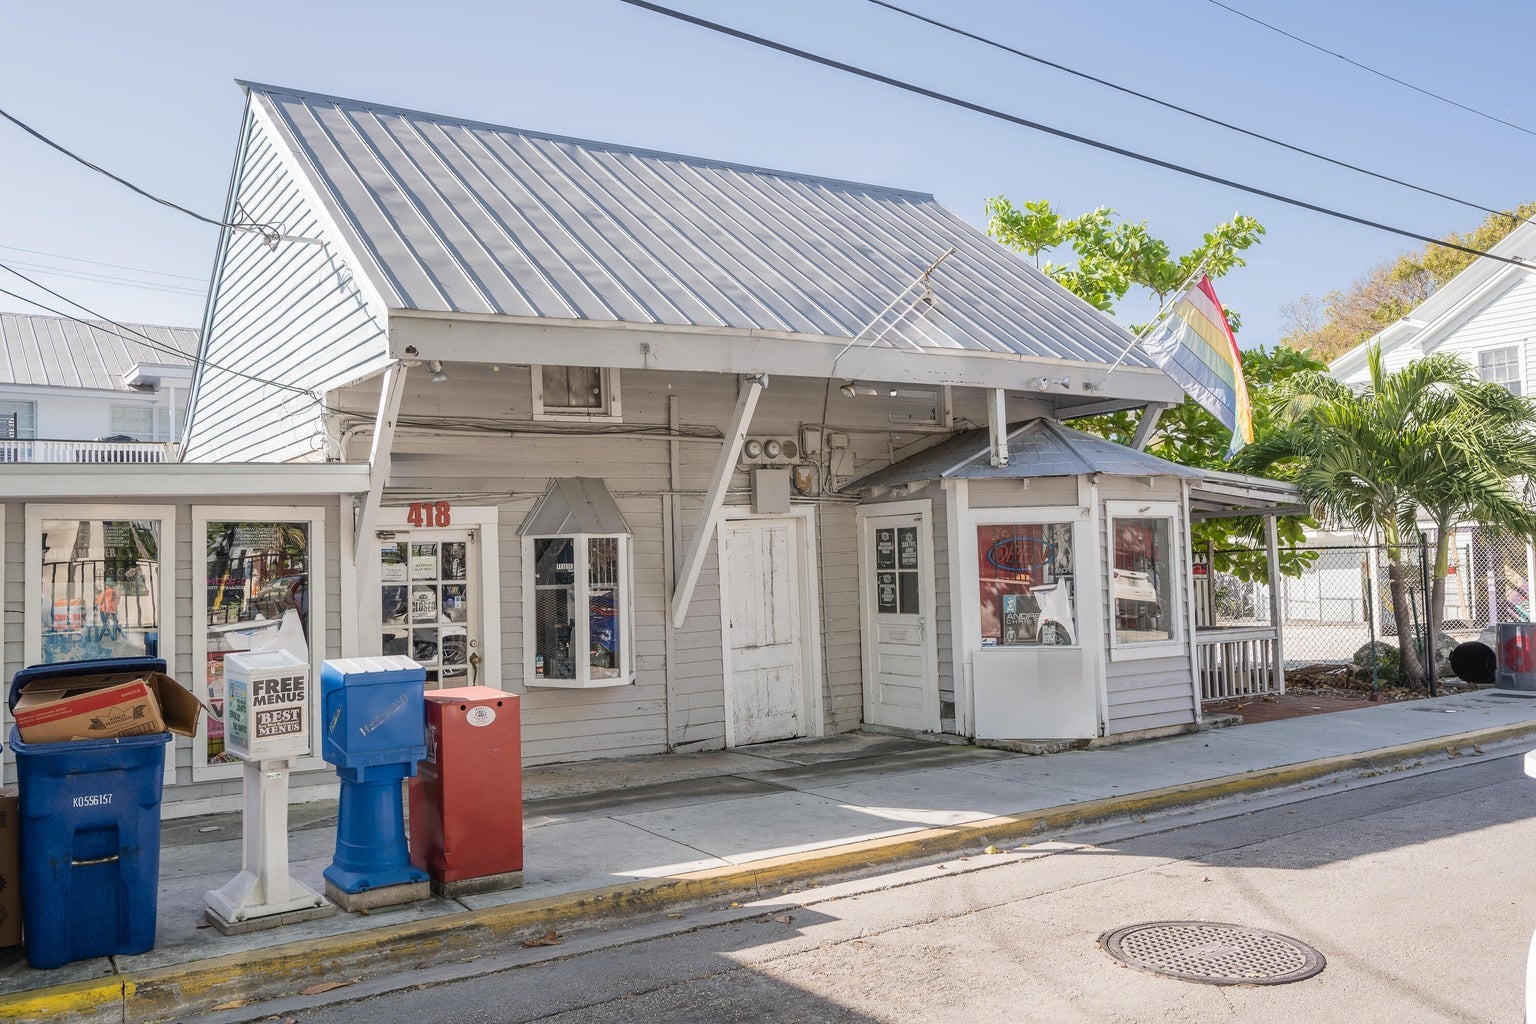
1237	662
53	450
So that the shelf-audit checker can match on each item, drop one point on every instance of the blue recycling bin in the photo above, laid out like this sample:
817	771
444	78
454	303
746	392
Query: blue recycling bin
373	712
90	833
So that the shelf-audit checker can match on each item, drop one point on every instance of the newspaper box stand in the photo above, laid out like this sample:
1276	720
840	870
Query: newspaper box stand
267	725
374	733
90	832
467	796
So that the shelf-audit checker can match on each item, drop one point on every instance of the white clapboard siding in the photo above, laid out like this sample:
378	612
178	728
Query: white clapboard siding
1508	318
1148	693
291	314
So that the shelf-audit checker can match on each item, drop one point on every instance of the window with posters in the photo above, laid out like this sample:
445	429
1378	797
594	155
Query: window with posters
1142	581
257	594
577	591
425	601
101	587
1027	584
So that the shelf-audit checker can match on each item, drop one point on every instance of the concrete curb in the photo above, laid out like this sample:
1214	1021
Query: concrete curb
172	992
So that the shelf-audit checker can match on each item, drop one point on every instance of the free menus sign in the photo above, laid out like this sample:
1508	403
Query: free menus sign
267	708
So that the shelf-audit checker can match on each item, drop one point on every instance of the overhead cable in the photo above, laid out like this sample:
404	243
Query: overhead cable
99	263
1192	113
269	233
1374	71
141	337
1061	133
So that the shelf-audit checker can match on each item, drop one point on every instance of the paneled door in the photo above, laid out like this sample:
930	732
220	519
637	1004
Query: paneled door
896	563
429	603
765	662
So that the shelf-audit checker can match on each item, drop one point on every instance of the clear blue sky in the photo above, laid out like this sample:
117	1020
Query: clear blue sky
147	89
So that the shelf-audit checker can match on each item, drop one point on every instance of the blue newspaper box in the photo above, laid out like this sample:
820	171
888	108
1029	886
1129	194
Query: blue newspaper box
90	832
373	715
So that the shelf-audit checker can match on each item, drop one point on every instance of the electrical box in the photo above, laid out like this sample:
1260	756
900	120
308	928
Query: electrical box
770	491
267	706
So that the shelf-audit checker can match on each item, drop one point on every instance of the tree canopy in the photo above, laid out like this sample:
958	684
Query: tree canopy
1332	324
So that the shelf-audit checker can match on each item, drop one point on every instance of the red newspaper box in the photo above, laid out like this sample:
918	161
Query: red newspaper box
467	796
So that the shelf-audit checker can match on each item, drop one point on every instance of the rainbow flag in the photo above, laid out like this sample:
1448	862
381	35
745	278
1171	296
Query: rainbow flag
1194	345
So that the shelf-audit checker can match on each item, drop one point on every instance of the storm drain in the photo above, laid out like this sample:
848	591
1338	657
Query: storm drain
1213	954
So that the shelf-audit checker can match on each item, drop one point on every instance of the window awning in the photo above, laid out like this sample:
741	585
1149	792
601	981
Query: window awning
574	504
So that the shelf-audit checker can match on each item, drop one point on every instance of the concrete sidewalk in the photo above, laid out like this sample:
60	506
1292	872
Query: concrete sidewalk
611	840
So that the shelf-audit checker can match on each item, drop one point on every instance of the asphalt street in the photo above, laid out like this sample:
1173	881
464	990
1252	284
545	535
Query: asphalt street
1418	889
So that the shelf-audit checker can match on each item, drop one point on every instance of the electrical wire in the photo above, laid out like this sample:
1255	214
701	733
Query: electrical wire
1061	133
1371	70
112	279
143	338
99	263
1192	113
265	230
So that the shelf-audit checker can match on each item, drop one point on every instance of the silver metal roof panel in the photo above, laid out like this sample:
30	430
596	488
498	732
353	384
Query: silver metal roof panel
50	351
455	216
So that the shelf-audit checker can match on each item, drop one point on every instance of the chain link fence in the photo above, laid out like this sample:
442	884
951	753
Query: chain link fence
1342	600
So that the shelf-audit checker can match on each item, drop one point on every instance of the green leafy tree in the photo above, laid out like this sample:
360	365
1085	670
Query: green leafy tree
1111	258
1428	437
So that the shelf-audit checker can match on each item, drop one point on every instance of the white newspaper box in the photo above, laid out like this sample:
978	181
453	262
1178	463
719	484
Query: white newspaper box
266	725
266	715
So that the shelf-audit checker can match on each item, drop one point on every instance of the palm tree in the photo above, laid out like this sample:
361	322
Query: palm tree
1427	438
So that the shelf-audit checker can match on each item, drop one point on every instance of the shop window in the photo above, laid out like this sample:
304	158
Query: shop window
581	392
425	604
101	588
1027	584
256	595
577	610
1142	578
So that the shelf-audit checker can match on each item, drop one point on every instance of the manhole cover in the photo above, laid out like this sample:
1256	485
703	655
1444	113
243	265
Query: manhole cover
1213	954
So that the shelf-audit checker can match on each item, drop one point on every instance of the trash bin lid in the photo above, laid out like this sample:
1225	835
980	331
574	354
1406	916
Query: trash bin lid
66	669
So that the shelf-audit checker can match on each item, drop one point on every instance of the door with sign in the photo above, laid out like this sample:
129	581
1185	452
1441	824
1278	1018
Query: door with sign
429	602
900	670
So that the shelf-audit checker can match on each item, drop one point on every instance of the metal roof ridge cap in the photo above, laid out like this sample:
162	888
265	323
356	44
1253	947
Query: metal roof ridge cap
1060	431
595	143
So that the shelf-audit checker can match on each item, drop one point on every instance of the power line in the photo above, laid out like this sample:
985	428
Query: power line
271	234
99	263
1374	71
1061	133
143	338
1192	113
109	279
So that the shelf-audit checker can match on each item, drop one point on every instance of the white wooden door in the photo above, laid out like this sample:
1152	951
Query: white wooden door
900	687
764	657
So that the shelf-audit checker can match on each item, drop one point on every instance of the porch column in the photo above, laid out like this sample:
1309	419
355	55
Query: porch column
725	465
1272	554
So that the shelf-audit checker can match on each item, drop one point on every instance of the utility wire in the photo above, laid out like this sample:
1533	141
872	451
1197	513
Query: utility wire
271	234
98	263
1192	113
141	337
1374	71
111	279
1061	133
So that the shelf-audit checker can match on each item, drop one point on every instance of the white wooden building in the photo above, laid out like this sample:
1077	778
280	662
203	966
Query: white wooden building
73	391
612	424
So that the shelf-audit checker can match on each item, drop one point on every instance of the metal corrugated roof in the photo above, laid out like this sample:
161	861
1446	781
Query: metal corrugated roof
458	216
51	351
575	504
1039	448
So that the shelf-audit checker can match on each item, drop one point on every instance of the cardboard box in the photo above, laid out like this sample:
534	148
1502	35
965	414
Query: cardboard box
104	706
10	868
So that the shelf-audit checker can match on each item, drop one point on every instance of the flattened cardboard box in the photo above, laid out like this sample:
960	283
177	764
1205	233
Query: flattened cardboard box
106	706
10	868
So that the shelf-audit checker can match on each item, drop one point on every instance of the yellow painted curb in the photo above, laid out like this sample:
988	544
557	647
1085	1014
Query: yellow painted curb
167	993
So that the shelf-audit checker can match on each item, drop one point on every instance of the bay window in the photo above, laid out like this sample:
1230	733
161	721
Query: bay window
576	601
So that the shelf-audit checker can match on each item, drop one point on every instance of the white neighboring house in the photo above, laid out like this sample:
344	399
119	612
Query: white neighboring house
1485	315
77	392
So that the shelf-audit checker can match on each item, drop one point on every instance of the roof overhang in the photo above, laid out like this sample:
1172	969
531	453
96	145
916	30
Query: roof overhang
171	480
1224	495
456	337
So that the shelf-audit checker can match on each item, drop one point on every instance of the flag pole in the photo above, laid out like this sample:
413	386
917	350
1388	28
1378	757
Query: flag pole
1162	312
